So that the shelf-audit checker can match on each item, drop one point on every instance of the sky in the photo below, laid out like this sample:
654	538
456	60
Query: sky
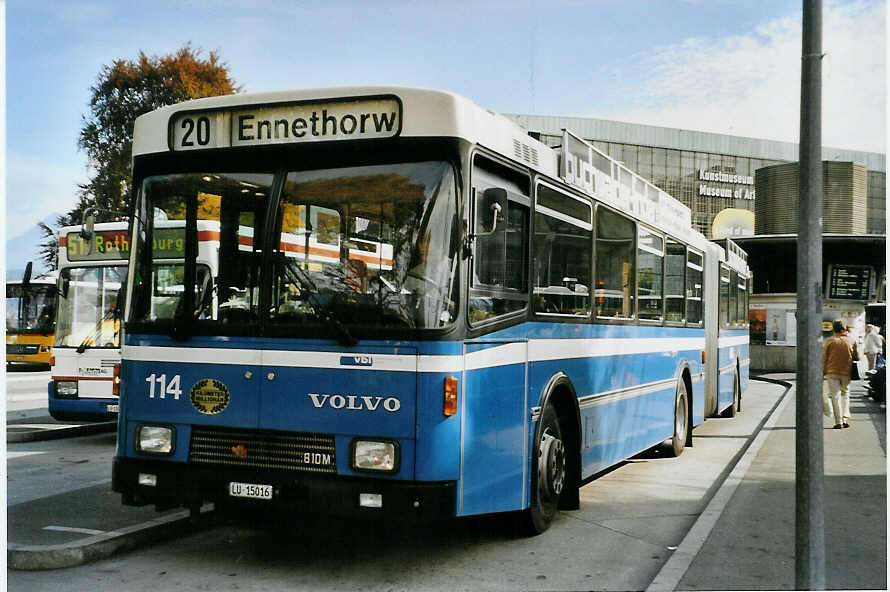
725	66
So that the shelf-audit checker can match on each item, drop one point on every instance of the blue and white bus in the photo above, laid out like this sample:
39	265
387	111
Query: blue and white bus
435	315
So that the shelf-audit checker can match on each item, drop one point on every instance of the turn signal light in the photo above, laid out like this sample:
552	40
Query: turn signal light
52	360
116	381
703	356
450	404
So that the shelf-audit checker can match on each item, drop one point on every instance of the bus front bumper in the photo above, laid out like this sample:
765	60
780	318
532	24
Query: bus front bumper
178	484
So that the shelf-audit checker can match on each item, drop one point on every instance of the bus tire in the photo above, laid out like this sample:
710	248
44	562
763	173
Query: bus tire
548	479
681	419
736	398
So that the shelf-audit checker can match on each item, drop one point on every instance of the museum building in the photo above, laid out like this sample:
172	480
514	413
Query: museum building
712	174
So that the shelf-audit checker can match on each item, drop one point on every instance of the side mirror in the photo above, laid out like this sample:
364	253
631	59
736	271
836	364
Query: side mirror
26	277
88	226
64	284
489	209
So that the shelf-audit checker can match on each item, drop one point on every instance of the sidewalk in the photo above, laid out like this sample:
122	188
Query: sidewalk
751	547
34	425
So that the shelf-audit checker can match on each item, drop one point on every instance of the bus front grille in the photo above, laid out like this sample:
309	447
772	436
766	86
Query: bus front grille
283	451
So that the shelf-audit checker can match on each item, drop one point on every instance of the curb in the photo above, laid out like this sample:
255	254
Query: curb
43	557
54	433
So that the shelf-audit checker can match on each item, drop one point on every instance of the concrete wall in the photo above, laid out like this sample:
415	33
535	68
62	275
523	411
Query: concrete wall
774	358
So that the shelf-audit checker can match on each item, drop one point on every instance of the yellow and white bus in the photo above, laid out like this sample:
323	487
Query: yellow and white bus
30	319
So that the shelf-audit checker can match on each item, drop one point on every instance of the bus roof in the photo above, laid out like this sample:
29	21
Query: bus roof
373	112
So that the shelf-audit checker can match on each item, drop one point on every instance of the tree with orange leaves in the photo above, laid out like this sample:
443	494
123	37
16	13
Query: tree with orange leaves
123	91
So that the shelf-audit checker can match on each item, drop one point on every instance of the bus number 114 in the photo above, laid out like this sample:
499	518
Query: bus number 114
165	388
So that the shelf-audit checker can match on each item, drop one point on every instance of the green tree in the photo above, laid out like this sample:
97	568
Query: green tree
123	91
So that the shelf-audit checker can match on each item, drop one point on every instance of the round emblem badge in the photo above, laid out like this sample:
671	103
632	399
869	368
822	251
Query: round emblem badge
209	396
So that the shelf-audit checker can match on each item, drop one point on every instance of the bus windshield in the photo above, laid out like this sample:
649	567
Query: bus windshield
355	247
88	307
30	309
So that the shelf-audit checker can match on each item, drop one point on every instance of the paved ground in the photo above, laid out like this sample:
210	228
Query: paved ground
751	547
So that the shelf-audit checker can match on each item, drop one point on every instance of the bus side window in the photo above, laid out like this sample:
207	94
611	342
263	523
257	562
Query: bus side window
650	263
562	248
614	289
724	297
694	281
674	284
499	283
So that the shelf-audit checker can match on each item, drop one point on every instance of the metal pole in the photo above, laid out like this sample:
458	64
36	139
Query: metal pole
809	562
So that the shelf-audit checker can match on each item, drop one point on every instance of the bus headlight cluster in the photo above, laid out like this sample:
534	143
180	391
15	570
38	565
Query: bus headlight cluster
370	455
155	439
66	389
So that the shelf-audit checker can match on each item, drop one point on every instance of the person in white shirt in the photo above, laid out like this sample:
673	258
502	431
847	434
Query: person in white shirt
873	345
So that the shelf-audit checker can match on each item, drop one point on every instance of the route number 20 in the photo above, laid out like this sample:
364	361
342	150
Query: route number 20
199	128
164	388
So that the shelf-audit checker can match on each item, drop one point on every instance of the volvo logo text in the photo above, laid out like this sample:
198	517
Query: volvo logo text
355	402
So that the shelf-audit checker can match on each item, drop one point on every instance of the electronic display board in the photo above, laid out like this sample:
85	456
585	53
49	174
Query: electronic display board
849	282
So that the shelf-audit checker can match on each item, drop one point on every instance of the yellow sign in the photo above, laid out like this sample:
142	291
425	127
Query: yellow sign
733	222
209	396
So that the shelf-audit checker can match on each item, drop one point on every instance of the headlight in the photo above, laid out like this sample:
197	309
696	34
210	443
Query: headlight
154	439
66	389
375	456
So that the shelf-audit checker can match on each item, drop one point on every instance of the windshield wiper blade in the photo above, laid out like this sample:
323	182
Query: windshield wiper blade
295	272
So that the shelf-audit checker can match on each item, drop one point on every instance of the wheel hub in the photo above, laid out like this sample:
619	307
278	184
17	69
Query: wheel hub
552	465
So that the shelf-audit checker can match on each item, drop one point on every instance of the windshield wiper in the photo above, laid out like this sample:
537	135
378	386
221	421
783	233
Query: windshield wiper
295	272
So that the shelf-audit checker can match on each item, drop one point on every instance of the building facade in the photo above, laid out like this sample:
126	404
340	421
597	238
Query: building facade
844	198
710	173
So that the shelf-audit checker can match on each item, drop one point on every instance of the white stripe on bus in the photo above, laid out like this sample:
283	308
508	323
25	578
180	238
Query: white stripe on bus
730	341
539	350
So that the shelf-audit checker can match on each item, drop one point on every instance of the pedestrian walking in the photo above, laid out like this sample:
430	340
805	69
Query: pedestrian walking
874	344
837	361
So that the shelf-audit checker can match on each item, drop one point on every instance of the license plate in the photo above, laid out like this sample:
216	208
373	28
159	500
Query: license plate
113	408
251	490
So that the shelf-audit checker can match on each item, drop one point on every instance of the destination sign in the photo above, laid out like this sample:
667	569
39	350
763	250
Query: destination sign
849	282
104	245
107	245
286	124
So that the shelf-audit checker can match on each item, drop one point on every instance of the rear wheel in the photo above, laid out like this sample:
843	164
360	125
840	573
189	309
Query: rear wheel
681	419
548	477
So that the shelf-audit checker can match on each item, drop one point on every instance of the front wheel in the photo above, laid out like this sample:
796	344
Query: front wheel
548	477
681	419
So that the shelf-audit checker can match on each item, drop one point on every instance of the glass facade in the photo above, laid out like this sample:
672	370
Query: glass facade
708	183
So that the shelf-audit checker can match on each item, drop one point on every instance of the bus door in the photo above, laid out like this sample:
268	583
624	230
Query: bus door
495	424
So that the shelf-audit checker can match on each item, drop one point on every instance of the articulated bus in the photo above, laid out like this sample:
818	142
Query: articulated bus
435	315
30	319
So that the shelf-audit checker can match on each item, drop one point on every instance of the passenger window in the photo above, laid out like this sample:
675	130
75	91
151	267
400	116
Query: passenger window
694	282
614	290
650	257
500	253
674	279
733	299
724	296
562	249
